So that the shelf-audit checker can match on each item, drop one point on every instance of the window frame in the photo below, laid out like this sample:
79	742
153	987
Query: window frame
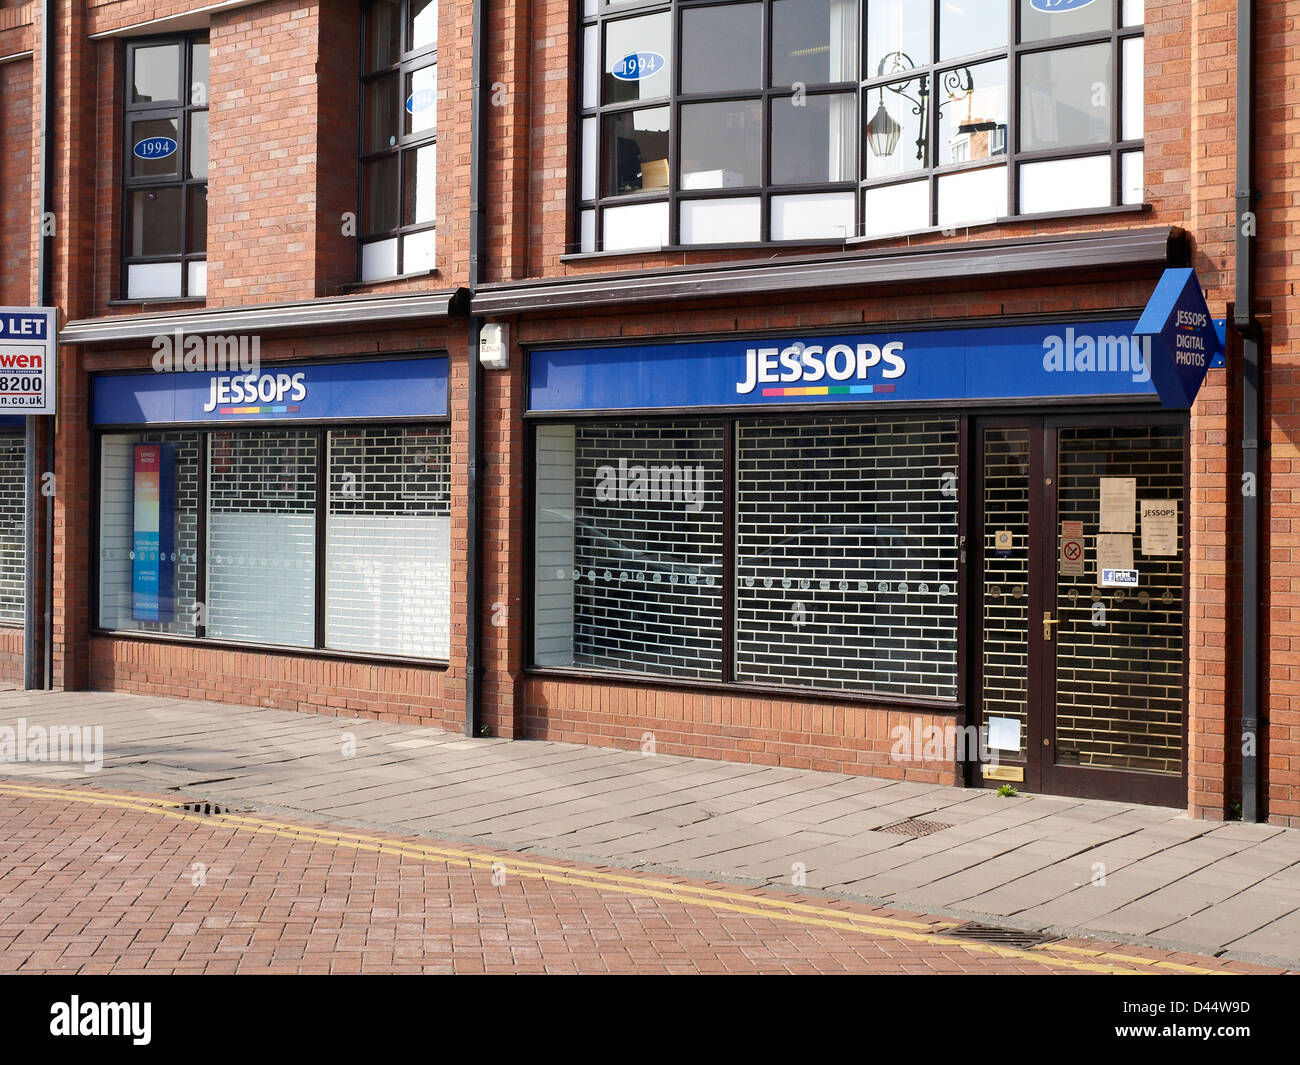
407	63
862	86
729	422
205	431
182	110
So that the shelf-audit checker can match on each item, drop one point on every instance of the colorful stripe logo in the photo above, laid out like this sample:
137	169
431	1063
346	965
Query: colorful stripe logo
830	390
292	408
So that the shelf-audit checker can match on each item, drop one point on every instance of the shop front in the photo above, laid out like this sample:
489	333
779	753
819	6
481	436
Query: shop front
297	507
978	527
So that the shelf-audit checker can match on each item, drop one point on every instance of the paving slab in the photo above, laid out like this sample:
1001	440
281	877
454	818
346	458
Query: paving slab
1031	860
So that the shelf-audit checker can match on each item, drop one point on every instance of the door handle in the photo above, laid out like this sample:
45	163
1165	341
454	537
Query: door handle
1048	622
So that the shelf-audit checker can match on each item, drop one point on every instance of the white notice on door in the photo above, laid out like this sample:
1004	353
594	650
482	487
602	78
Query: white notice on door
1160	526
1004	733
1114	552
1118	502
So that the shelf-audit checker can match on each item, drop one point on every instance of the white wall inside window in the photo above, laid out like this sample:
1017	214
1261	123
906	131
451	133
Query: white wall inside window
722	221
1133	177
972	196
379	259
418	251
812	216
1065	184
636	226
896	209
146	281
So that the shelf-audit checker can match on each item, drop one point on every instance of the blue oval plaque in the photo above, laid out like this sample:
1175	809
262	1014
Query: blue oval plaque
154	148
1052	7
420	100
638	65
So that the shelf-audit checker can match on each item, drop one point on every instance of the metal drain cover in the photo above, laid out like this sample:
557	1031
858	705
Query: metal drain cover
913	827
207	809
1002	937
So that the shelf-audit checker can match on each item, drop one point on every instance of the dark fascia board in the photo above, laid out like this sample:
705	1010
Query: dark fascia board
325	314
1148	246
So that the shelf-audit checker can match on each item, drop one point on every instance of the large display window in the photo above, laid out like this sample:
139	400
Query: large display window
326	527
236	513
834	568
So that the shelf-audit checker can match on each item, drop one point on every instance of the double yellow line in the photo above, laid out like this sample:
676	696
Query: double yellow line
790	912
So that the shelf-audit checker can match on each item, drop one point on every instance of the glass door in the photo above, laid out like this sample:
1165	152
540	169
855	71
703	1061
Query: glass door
1081	574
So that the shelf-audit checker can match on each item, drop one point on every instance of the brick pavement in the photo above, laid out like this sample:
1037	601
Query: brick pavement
1124	872
95	882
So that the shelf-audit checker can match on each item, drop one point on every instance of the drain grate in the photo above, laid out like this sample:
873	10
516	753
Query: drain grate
206	809
1002	937
913	827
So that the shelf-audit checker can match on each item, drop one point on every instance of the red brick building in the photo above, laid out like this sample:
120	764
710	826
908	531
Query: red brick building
778	469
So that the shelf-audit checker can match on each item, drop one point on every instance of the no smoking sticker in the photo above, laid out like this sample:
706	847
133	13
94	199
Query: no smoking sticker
1072	560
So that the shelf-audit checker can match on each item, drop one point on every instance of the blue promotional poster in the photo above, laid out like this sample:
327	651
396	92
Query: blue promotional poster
152	547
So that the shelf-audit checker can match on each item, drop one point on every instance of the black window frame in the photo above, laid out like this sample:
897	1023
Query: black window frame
864	87
729	422
407	63
182	111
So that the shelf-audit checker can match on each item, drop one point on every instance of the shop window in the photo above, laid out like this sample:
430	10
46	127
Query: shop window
165	178
805	120
134	519
13	540
388	537
398	165
843	538
261	543
846	555
628	535
213	534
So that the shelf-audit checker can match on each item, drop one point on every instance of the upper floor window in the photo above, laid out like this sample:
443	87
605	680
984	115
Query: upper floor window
165	179
399	89
752	121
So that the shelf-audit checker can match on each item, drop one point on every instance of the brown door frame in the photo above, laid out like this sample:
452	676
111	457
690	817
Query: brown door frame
1042	774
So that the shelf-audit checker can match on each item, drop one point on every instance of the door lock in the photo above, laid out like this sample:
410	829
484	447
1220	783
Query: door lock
1048	622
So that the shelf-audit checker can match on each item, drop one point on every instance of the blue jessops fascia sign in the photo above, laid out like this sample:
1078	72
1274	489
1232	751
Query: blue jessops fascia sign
1076	359
356	391
1182	335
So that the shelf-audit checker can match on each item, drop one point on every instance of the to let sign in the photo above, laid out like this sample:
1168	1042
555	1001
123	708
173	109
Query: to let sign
1183	337
27	360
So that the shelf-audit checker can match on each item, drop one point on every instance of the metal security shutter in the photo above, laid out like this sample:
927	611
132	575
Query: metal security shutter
261	543
12	542
647	530
846	554
388	536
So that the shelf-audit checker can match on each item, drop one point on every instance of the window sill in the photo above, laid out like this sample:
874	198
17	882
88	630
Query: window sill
857	242
272	648
359	286
867	700
144	301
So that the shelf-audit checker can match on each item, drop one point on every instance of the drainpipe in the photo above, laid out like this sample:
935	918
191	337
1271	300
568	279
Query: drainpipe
38	660
474	425
1248	327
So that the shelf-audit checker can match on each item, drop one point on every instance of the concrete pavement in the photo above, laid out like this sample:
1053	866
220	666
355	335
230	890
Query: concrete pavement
1122	872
